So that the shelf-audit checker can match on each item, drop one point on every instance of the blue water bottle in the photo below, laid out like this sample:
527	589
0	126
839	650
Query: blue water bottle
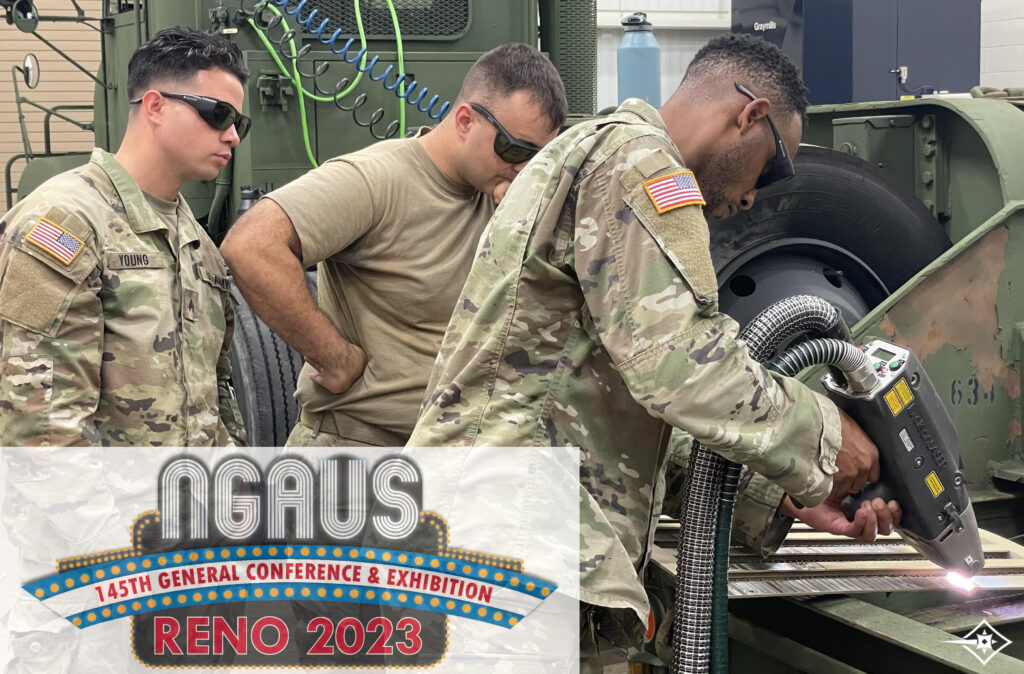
639	61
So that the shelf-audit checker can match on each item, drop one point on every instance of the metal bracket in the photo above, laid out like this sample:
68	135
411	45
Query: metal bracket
930	185
274	89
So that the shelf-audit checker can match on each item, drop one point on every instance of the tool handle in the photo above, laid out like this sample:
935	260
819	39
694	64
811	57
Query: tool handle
870	492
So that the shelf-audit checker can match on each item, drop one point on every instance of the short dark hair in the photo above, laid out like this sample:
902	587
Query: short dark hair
768	72
516	67
179	53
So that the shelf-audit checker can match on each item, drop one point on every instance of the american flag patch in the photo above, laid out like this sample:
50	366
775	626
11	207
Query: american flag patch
673	191
55	240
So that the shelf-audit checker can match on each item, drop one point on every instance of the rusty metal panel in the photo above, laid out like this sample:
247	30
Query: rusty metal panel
961	316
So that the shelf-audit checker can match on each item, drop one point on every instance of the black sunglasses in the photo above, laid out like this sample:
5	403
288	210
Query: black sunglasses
218	114
506	146
781	167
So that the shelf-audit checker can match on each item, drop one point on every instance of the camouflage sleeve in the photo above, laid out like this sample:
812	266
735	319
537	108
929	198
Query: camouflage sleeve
51	319
650	288
757	522
227	405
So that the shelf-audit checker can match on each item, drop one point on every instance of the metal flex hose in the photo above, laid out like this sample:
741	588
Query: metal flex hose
797	315
700	627
695	565
853	362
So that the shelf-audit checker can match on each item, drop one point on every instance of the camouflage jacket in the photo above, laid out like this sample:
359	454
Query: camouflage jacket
590	320
110	334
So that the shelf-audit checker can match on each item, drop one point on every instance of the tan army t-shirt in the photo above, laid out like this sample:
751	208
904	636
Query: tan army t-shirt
167	211
394	239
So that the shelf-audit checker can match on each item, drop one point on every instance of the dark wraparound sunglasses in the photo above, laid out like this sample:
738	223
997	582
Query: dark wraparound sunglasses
508	147
781	167
218	114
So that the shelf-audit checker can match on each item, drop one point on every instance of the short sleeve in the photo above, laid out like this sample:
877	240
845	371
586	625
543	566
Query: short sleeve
330	208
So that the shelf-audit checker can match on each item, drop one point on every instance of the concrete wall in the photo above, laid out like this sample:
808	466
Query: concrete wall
1002	43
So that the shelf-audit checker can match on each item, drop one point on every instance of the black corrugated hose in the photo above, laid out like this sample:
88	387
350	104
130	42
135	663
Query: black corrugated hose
700	627
843	355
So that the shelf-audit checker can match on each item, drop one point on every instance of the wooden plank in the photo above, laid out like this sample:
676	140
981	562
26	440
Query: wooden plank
60	82
12	129
881	553
991	540
810	537
811	563
863	568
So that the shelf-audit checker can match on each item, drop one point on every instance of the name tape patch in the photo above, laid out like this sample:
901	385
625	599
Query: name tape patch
140	260
222	282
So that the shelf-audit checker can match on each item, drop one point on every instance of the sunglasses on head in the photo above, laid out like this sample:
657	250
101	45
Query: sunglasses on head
781	167
506	146
218	114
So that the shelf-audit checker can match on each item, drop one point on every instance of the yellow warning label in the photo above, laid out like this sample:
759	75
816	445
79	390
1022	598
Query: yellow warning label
906	397
895	406
934	484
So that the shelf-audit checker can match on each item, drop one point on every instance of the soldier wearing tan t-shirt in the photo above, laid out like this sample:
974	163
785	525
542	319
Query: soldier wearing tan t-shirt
392	230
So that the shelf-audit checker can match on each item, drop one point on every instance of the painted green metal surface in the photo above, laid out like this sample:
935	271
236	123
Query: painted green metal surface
965	159
963	315
811	635
755	648
41	169
960	315
275	153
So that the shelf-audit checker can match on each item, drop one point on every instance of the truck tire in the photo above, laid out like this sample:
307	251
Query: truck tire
838	229
264	370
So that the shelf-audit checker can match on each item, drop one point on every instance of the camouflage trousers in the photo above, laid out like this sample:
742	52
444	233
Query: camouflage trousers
608	635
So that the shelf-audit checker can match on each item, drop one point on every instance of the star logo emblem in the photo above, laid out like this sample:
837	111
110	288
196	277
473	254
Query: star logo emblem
983	642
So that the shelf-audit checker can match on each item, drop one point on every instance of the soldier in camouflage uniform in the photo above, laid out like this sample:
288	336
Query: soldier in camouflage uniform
116	311
590	319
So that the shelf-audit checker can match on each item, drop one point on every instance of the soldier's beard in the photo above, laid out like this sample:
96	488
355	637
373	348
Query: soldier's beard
721	171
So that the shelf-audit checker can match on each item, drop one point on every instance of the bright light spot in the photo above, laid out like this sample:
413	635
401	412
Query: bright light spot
959	582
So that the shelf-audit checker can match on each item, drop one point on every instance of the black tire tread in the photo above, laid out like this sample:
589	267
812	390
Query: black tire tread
264	373
909	227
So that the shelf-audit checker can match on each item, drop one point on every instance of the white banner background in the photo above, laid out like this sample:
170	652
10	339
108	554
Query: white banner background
514	502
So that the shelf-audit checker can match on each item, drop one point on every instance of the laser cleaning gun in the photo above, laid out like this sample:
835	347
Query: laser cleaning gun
920	457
